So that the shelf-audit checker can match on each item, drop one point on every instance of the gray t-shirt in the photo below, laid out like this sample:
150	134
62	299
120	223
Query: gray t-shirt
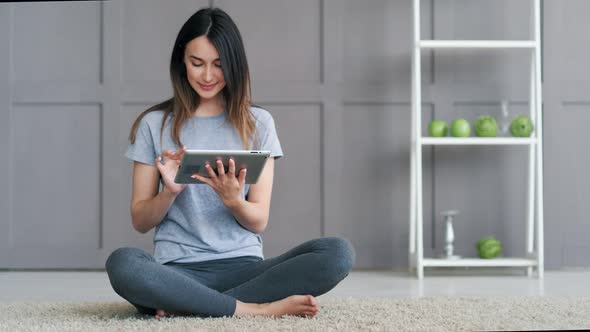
198	227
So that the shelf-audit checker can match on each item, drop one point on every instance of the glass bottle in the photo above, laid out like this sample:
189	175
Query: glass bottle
505	118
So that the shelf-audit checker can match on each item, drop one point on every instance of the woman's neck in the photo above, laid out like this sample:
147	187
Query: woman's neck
210	107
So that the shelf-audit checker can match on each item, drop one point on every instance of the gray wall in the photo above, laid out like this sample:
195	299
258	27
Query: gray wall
336	77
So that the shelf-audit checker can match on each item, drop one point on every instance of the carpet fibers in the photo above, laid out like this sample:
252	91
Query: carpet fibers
336	314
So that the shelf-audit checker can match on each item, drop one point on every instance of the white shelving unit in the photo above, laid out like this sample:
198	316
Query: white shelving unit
534	219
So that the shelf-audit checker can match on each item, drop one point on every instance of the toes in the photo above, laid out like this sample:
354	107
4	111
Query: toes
312	300
309	314
312	311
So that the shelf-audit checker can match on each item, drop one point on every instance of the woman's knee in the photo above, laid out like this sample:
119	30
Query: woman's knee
342	255
124	260
124	267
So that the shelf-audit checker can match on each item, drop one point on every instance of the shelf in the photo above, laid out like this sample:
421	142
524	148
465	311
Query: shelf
499	44
478	141
530	47
478	262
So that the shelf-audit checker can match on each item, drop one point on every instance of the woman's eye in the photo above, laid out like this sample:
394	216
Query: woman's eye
200	65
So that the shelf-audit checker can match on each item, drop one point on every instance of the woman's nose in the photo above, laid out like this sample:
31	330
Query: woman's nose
207	75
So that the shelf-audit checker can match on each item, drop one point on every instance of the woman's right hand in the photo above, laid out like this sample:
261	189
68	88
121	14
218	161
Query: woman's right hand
169	169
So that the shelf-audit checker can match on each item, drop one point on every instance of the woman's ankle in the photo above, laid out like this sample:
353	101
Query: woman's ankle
248	309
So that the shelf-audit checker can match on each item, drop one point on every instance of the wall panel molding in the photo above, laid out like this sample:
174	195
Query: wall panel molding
334	65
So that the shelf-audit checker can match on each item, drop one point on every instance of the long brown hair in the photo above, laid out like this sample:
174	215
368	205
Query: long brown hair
224	35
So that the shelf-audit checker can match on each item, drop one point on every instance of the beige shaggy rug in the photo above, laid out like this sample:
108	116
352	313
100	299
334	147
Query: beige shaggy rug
337	314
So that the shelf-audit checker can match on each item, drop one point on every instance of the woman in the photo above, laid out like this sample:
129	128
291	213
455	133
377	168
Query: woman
208	251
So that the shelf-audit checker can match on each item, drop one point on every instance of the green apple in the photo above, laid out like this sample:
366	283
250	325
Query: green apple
438	128
485	126
460	128
522	126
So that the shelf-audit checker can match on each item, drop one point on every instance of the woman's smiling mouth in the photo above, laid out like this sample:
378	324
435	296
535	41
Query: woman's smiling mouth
207	87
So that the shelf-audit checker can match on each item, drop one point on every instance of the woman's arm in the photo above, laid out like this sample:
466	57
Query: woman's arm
148	207
253	213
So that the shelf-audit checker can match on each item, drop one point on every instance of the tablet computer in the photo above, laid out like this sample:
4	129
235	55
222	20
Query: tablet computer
194	161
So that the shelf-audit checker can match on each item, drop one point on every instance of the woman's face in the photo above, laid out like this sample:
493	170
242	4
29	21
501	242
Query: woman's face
203	68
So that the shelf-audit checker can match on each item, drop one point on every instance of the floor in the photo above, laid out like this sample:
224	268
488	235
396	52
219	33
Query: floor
78	286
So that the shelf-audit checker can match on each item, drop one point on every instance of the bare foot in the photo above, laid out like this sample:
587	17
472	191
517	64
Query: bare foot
295	305
161	314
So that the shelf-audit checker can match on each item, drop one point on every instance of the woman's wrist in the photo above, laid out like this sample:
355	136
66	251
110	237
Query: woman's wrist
169	193
235	204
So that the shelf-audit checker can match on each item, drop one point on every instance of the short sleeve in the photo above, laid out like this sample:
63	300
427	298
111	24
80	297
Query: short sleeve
143	149
269	139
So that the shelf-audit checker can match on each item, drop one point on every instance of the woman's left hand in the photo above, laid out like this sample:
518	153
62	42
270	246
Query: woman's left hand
228	185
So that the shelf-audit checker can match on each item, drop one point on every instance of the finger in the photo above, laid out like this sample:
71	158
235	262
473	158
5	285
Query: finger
180	152
202	179
167	155
220	169
242	177
162	162
210	171
231	171
177	155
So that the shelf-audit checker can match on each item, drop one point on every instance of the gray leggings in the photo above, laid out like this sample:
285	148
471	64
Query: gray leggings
211	288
